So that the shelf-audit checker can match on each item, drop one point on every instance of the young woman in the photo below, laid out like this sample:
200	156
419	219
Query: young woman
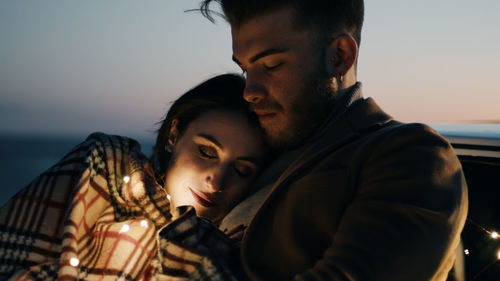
106	212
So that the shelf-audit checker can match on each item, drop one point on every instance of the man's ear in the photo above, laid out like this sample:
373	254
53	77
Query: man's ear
341	56
173	135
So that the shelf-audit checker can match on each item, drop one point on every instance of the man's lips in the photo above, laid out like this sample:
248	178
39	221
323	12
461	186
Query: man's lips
265	116
203	199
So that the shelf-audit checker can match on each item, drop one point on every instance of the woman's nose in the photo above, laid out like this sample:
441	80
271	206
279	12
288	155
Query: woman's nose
217	178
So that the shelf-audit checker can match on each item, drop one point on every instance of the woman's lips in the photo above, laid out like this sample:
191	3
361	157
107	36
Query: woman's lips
203	199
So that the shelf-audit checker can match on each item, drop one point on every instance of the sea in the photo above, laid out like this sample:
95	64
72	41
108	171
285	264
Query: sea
23	158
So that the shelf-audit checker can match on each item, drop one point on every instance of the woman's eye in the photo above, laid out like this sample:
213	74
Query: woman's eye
207	152
243	170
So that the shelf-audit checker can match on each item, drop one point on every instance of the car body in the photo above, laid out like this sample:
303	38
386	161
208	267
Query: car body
478	148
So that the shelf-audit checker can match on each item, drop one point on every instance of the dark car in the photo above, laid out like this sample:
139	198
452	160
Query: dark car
478	148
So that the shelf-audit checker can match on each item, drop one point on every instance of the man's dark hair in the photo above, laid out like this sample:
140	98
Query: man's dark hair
328	16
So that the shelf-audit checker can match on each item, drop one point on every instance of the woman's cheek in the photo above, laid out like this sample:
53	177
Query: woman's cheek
237	194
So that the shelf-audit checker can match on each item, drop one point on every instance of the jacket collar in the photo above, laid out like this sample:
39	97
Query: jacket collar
351	116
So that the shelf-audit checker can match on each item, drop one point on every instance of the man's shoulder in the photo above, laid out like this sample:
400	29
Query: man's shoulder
411	145
399	131
392	137
366	118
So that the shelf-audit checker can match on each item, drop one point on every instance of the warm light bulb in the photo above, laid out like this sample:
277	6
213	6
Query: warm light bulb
168	197
498	254
466	251
125	228
74	262
144	223
494	235
126	179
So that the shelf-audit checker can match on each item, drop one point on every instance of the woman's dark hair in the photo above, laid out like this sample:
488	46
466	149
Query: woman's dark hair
220	92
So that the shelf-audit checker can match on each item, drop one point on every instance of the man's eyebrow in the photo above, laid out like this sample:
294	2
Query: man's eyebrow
262	54
211	139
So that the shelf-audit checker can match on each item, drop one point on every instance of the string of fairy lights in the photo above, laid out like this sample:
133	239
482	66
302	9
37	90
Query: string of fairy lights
491	234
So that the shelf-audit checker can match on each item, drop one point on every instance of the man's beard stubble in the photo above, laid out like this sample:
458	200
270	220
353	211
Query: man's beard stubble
318	94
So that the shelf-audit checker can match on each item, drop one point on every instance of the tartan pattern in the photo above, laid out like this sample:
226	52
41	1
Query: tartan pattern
192	247
101	205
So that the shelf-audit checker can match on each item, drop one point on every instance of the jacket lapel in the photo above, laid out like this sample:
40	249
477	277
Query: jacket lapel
362	117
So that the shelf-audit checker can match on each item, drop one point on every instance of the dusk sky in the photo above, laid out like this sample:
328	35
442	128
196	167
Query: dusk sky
74	67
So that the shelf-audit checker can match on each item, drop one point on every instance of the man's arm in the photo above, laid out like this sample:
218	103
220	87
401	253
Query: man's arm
406	219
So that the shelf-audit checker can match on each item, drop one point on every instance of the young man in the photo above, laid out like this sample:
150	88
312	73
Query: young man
354	195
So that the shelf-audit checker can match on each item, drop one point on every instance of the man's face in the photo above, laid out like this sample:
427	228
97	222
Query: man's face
286	81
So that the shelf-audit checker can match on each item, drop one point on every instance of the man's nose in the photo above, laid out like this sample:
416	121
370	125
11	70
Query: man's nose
217	178
254	91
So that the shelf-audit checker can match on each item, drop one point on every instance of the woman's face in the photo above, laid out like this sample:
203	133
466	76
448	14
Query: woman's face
213	163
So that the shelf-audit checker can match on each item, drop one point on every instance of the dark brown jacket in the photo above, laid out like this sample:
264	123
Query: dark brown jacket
369	198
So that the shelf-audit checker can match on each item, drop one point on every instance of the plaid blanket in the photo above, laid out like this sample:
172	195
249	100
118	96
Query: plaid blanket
99	214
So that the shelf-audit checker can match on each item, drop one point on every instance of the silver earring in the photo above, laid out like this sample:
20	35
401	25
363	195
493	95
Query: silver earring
340	81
